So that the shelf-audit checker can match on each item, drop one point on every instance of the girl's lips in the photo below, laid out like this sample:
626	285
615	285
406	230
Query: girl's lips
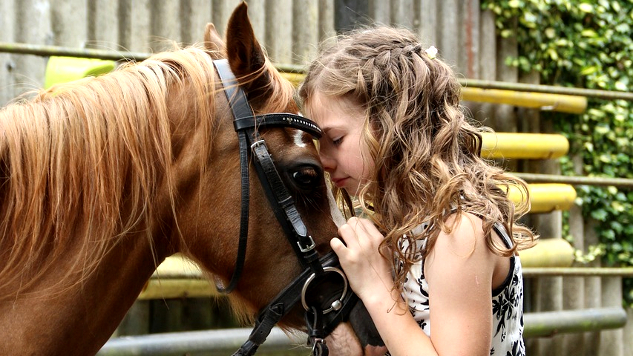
340	182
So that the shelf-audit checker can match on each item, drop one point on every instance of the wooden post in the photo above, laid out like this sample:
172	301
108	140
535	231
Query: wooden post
103	29
257	14
505	119
427	21
305	36
279	31
164	24
628	332
449	20
484	112
194	16
134	25
611	341
573	287
221	11
470	11
68	21
7	62
33	24
402	13
551	294
326	22
592	289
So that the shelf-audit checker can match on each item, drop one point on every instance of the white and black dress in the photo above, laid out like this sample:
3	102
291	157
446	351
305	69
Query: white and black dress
507	303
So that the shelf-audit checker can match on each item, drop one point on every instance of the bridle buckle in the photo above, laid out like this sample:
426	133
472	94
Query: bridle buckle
258	143
308	248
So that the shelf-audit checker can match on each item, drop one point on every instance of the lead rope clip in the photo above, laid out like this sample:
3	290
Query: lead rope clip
319	348
316	335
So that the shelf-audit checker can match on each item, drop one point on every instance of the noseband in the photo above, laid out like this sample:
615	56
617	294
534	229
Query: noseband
322	312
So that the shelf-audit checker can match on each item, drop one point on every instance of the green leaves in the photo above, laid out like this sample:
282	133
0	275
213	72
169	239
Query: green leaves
585	7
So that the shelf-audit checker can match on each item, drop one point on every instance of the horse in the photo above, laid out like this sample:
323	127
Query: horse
103	178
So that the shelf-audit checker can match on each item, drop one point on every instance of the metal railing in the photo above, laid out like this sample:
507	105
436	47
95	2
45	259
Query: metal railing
226	341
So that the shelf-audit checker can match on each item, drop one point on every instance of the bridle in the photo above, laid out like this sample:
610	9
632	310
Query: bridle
322	312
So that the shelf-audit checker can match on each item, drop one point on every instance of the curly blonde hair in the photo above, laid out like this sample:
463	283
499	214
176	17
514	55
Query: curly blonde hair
426	153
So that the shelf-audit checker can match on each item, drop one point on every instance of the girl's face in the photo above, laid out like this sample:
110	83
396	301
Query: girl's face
343	154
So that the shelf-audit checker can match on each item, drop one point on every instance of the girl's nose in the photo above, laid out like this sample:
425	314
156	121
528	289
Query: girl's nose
328	163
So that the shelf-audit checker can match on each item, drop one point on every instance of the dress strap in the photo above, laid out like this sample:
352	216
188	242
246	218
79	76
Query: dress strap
503	233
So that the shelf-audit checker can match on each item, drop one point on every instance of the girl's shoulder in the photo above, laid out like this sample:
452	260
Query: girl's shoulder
463	252
462	232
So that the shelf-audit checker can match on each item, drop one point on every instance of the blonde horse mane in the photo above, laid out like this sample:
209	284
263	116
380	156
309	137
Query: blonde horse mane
81	164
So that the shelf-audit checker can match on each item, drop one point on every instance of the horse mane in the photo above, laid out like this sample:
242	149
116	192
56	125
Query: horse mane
81	163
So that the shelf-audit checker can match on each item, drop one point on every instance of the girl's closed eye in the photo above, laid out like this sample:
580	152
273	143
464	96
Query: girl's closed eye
337	141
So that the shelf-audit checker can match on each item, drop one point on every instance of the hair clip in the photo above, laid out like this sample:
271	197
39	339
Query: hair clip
431	52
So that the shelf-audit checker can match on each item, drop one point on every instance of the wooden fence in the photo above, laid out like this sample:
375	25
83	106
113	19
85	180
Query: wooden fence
290	31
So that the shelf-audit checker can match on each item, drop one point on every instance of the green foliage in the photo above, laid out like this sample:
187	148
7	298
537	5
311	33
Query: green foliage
585	43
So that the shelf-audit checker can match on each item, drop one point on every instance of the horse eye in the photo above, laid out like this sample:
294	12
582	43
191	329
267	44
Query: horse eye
305	177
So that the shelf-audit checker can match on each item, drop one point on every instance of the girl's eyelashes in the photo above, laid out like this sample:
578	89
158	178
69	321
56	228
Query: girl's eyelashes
337	141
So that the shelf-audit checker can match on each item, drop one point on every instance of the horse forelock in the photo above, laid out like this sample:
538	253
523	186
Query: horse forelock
80	164
283	99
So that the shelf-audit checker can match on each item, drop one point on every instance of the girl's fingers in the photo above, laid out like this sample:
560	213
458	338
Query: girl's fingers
346	233
366	230
336	244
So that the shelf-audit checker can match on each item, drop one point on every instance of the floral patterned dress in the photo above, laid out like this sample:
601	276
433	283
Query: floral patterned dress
507	303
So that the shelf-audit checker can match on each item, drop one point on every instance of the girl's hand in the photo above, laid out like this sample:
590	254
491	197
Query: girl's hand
369	273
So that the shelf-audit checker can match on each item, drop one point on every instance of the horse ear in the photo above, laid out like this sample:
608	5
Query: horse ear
212	39
245	54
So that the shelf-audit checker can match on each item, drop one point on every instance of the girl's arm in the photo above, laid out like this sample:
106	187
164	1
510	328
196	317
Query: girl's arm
459	271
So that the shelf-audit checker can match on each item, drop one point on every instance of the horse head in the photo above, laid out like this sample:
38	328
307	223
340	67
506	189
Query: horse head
208	212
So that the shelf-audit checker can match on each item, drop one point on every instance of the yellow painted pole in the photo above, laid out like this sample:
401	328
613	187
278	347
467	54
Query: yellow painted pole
574	104
504	145
67	69
294	78
179	277
546	197
548	253
543	101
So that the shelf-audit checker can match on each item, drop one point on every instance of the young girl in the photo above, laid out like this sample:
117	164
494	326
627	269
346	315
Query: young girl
436	265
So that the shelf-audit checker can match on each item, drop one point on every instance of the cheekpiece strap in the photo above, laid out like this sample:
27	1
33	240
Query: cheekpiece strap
237	98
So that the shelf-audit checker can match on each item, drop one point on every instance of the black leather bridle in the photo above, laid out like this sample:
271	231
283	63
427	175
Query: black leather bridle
323	311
